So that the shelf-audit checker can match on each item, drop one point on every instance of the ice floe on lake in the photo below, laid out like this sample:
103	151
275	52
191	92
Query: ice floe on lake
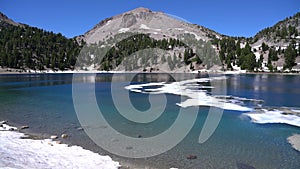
276	115
196	93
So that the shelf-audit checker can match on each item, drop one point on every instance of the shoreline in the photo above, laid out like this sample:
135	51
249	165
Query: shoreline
28	134
9	71
17	149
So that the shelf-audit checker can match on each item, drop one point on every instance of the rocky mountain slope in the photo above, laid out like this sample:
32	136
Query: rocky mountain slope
263	52
169	44
158	24
145	40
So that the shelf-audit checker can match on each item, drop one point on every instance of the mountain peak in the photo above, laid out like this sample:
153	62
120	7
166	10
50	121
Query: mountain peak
140	9
143	20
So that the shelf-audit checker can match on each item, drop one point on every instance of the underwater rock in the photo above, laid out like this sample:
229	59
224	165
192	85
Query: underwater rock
244	166
191	157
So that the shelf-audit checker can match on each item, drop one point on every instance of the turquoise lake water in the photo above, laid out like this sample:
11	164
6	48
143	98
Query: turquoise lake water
44	102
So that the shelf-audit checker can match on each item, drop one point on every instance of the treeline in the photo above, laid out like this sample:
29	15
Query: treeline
25	47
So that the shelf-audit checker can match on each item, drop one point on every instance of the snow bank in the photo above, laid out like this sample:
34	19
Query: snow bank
16	152
123	30
144	26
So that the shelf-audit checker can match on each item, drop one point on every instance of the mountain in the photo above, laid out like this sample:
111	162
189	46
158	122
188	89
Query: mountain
27	48
266	51
279	45
158	24
145	40
282	33
5	21
274	49
178	44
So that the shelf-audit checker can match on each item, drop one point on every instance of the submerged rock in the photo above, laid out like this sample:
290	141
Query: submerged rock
191	157
129	148
244	166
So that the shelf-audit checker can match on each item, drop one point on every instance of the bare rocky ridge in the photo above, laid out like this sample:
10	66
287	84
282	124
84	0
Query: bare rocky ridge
6	20
158	24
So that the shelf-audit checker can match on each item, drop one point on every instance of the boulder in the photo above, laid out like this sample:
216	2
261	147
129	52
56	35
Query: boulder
64	136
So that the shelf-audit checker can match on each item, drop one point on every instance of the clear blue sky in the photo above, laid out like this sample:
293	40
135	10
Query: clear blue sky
75	17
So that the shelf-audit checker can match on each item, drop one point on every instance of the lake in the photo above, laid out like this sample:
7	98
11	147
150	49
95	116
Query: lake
250	123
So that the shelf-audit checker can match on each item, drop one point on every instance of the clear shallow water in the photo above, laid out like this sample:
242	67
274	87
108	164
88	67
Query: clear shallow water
44	102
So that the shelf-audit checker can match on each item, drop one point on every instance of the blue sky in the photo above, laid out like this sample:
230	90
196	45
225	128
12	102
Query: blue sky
75	17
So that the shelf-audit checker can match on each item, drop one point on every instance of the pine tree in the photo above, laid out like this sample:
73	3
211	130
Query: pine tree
264	47
290	55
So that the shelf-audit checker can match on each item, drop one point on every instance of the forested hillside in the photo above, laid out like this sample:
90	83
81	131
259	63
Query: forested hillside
25	47
140	52
274	49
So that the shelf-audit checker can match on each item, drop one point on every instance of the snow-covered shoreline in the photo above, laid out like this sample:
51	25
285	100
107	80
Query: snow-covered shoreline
19	71
17	152
16	71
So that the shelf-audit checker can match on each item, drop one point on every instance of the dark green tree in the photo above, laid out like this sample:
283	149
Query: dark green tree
264	47
290	55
